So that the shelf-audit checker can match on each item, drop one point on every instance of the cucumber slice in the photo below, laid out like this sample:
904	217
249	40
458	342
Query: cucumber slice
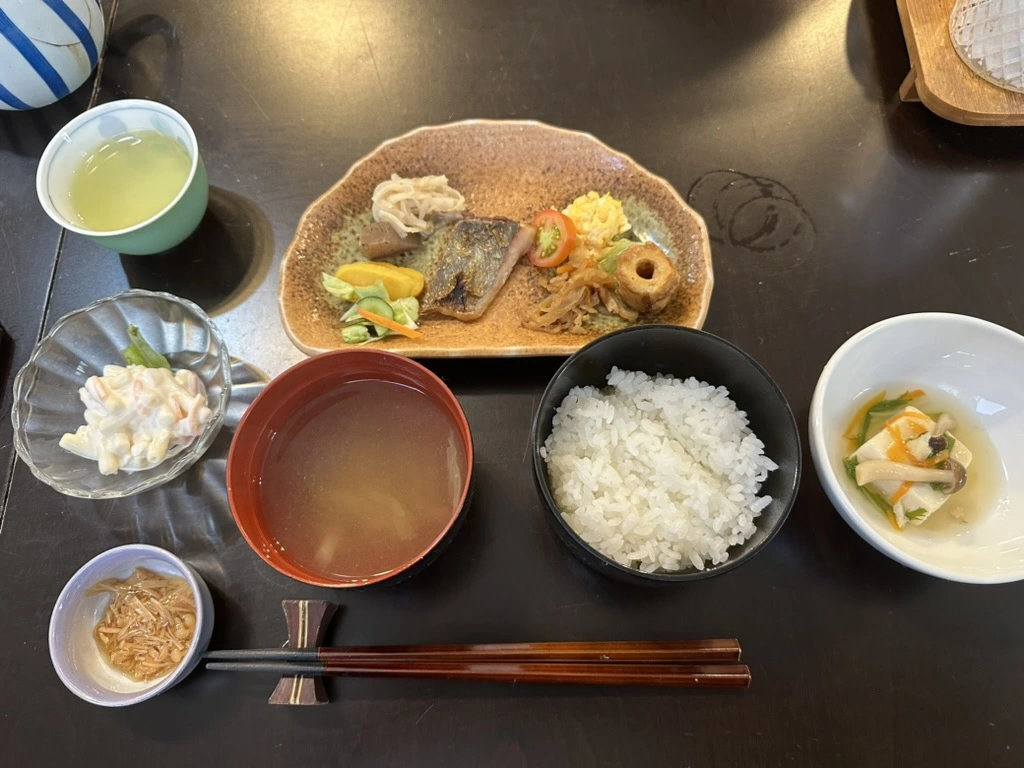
377	306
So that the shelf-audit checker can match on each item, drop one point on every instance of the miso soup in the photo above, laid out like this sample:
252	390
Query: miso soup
362	480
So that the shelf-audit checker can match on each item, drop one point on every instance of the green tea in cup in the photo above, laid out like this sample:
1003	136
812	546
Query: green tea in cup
127	179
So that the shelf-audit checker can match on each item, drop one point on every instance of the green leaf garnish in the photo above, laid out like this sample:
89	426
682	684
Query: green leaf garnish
882	505
850	464
885	406
914	514
610	260
139	352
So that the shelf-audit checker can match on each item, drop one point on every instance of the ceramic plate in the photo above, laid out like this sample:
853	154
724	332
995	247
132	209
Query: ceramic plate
504	168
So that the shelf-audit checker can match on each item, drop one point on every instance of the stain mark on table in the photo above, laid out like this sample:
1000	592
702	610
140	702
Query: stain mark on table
755	214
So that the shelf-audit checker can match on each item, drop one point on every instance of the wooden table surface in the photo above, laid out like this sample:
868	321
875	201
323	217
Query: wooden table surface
852	207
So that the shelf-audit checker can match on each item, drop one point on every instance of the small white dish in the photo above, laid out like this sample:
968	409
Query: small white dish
77	658
981	366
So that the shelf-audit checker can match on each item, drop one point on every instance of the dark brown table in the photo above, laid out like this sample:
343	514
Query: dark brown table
864	208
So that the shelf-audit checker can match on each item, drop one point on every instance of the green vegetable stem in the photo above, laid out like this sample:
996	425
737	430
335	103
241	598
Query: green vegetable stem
139	352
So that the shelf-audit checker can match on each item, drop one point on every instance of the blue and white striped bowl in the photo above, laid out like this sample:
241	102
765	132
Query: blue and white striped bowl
48	48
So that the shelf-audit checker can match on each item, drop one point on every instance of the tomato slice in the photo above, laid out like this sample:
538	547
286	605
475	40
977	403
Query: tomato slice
555	239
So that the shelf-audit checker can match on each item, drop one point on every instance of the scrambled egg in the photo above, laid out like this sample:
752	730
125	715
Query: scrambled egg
598	220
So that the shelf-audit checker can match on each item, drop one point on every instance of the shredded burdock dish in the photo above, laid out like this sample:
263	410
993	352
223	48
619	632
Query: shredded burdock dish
574	296
147	629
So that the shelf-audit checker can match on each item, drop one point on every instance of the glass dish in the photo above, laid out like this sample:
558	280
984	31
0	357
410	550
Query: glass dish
46	402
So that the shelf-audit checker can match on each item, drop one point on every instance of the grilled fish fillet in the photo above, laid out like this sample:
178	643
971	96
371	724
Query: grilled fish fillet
468	263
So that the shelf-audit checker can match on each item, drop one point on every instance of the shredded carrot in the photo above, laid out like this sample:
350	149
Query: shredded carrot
920	420
565	268
853	430
898	450
391	325
900	493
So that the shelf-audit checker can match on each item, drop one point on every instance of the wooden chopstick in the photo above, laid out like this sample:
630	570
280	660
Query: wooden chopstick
582	673
672	652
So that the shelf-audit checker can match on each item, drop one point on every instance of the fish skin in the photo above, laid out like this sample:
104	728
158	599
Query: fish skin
469	262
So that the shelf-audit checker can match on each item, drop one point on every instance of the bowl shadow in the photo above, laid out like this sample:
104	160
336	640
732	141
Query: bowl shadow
156	74
220	264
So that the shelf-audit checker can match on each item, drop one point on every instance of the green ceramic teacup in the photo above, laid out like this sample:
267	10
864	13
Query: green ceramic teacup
82	135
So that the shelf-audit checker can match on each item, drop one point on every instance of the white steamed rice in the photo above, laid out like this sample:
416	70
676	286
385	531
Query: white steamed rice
657	473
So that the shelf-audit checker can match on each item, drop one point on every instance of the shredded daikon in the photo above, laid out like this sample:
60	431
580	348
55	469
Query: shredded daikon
412	205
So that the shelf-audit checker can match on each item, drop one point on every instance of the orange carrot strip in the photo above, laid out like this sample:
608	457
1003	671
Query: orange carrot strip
920	420
858	418
565	268
391	325
898	451
900	493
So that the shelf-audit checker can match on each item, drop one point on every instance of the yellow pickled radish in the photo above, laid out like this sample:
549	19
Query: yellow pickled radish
414	275
399	282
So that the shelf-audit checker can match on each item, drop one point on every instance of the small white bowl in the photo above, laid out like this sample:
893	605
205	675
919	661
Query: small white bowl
77	658
981	366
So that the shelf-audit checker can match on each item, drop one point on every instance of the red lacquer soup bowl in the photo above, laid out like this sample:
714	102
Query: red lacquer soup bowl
350	469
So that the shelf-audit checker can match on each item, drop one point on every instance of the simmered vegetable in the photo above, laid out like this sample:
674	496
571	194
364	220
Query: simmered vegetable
380	240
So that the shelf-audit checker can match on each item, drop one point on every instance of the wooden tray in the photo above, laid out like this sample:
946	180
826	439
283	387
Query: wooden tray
938	77
504	168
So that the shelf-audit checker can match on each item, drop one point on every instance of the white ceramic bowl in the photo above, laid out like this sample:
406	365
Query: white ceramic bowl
981	366
73	650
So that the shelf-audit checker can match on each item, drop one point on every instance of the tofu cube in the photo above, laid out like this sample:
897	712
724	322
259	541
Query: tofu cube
921	496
